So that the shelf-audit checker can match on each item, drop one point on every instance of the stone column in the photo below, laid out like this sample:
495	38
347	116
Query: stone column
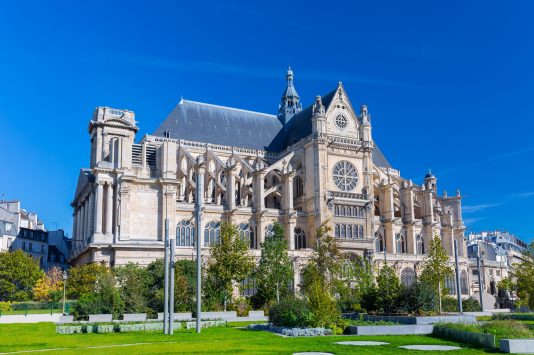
124	222
85	227
428	218
98	209
259	201
230	187
289	225
288	191
387	212
408	216
109	209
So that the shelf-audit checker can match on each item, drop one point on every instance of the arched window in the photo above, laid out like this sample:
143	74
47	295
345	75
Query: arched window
400	243
247	233
336	210
337	232
407	276
379	243
185	234
463	283
269	230
450	284
349	231
298	186
343	231
360	232
300	238
212	233
420	245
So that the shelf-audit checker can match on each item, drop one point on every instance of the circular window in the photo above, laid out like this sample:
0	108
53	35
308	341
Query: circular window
341	121
345	176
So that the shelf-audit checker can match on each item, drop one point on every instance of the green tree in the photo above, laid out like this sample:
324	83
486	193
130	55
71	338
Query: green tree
388	289
522	278
132	283
436	268
356	279
82	278
105	299
19	273
49	288
275	270
230	260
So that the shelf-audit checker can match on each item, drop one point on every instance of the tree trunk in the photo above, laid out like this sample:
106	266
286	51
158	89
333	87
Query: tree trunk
277	294
439	296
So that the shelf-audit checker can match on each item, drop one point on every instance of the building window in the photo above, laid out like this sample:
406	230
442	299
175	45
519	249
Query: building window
450	284
24	246
248	287
420	245
185	234
212	233
31	247
300	238
349	211
407	276
379	243
348	231
298	187
345	176
8	226
400	243
247	233
463	283
269	230
42	249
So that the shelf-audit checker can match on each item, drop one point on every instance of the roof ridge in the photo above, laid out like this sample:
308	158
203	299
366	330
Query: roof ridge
226	107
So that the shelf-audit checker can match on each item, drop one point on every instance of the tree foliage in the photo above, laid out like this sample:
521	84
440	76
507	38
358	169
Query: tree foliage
275	270
522	278
436	268
82	279
19	273
105	299
388	289
132	283
230	260
49	288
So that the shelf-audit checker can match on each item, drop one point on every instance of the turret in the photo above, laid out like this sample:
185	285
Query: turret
318	118
431	182
290	104
112	134
365	127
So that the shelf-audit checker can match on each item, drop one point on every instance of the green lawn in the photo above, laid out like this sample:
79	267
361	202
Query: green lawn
231	340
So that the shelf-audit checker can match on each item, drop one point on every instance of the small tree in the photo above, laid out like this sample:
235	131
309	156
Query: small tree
19	273
522	280
230	260
105	299
436	268
49	287
388	289
132	282
82	279
275	270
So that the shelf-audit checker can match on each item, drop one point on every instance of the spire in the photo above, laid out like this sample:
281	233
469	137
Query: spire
290	104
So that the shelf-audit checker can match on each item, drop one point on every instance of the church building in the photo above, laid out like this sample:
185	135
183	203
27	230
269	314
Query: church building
300	167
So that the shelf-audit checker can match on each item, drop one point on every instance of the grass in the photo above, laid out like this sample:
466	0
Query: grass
502	329
230	340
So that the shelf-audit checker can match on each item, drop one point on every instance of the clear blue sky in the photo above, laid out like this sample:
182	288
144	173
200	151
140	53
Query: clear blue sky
449	84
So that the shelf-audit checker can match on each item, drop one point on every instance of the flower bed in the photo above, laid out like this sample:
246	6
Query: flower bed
292	332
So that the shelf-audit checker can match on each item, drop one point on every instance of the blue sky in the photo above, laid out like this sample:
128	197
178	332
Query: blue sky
449	84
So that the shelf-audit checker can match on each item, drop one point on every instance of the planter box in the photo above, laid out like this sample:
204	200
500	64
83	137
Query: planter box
68	329
106	328
517	346
100	318
206	324
256	314
468	319
406	329
178	316
480	339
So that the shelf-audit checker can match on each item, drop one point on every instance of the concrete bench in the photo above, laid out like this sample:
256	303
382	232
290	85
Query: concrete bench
517	346
134	317
178	316
219	315
256	314
406	329
100	317
66	319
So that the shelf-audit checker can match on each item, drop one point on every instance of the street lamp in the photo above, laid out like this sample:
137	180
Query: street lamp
64	289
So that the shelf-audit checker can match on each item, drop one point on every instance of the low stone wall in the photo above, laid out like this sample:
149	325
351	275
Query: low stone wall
30	318
423	320
406	329
100	317
517	346
178	316
219	315
480	339
134	317
77	328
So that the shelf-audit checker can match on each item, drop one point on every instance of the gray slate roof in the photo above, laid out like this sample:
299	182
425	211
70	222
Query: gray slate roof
201	122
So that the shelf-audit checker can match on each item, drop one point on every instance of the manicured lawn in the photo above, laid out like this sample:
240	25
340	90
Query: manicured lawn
231	340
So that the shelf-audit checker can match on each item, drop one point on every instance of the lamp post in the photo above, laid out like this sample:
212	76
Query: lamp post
64	289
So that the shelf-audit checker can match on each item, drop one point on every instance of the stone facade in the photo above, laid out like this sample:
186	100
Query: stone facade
300	168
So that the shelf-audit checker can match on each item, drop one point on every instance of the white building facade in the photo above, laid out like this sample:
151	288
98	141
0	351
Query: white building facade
301	167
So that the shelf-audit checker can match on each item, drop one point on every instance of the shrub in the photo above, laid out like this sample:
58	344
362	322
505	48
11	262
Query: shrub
291	312
471	305
449	304
106	300
322	305
241	306
5	306
292	332
388	290
419	298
